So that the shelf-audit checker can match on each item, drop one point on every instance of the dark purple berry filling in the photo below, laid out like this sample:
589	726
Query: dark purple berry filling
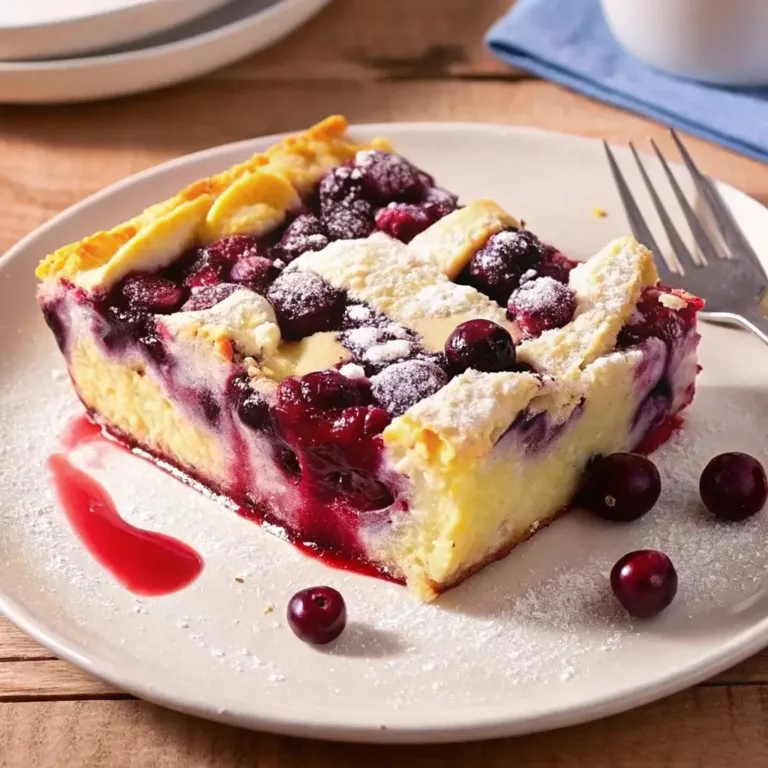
53	313
386	177
341	186
208	296
404	221
508	258
305	304
152	293
402	385
652	319
254	272
252	408
349	221
305	233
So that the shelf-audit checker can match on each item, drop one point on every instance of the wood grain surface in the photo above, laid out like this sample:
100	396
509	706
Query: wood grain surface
373	61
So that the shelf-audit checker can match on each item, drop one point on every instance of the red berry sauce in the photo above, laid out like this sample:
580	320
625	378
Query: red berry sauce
144	562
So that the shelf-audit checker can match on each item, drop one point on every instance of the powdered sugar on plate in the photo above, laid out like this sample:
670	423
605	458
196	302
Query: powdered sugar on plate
542	617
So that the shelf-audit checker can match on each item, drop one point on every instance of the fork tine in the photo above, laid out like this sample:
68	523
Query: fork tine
682	254
729	229
636	221
708	250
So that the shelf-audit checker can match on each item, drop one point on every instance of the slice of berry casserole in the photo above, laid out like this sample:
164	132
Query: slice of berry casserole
326	337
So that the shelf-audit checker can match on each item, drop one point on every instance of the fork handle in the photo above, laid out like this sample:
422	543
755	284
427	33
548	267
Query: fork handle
757	322
753	320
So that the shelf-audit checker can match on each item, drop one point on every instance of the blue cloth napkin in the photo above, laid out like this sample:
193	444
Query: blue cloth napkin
568	41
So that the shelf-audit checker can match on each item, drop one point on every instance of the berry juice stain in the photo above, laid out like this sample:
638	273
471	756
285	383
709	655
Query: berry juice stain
144	562
80	430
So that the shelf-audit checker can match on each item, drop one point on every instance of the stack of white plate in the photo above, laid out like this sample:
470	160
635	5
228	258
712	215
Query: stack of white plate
79	50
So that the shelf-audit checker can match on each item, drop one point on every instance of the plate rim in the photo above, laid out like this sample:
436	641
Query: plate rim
454	726
88	31
58	23
165	49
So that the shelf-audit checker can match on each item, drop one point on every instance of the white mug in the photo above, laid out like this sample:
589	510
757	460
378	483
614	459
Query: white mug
717	41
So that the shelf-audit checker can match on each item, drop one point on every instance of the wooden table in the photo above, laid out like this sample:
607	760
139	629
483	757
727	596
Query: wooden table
373	61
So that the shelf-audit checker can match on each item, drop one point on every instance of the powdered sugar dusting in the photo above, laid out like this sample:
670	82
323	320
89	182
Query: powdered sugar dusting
293	289
544	618
402	385
352	371
395	281
389	351
358	313
538	294
363	337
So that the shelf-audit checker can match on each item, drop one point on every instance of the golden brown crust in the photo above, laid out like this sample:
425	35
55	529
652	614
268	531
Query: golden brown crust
250	196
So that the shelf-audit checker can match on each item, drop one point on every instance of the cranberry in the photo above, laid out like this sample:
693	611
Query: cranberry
253	410
225	252
322	390
497	267
540	305
202	277
349	221
330	389
388	177
208	296
305	304
326	408
555	264
376	421
152	293
645	582
733	486
304	233
402	385
404	221
256	272
317	615
346	212
357	423
214	260
443	198
340	186
621	486
482	345
427	180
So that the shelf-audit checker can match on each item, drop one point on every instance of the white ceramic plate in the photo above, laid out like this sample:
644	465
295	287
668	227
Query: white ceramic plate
533	642
236	30
38	28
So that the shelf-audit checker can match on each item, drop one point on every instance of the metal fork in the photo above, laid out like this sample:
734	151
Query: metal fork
732	282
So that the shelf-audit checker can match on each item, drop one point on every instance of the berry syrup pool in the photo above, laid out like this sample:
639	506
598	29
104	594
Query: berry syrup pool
146	563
